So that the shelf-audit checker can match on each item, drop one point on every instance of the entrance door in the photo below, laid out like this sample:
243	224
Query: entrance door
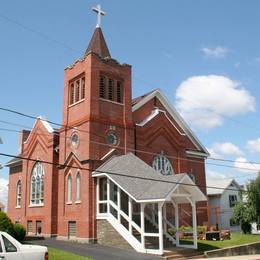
72	229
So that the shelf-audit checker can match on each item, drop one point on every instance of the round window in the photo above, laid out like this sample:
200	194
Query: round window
112	139
74	139
162	165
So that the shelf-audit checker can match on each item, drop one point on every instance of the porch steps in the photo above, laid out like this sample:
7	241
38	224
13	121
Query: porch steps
183	254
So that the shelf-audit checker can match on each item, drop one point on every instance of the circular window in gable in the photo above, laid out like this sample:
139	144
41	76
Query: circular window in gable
162	164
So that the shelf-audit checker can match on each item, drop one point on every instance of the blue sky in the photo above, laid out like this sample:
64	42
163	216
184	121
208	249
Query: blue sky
204	55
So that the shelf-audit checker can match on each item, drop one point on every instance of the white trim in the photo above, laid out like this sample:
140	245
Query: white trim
173	112
153	114
35	205
107	154
191	153
44	123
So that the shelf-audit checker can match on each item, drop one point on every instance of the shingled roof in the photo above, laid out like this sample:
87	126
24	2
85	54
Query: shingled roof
98	44
142	182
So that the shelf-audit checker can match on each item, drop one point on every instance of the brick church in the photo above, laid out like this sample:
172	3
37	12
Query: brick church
118	167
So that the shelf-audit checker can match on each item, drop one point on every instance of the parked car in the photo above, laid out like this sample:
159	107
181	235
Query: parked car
11	249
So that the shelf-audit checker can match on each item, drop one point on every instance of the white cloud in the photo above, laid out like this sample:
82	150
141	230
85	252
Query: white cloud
213	175
205	101
243	165
216	52
226	149
3	190
253	145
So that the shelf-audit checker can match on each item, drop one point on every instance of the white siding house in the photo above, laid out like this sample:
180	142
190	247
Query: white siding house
221	201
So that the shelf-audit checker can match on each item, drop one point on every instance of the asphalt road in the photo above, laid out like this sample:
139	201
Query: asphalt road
96	251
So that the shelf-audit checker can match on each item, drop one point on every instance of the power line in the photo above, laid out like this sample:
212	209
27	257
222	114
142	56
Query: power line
142	151
115	173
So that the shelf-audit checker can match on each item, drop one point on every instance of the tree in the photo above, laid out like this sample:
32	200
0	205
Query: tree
6	224
249	211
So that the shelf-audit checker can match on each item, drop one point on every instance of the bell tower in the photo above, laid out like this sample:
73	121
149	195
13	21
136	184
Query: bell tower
97	111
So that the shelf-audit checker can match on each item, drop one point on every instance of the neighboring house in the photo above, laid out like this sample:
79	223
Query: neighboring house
221	201
123	162
2	206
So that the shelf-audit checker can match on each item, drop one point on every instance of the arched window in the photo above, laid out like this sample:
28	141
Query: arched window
162	165
78	187
18	194
69	188
37	184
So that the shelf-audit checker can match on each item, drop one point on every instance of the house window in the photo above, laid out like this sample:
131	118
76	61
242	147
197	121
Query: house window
110	89
119	94
37	184
232	200
18	194
102	87
69	188
78	187
162	165
82	88
38	227
72	93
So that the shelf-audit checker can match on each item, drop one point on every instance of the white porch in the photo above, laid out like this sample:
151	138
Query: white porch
150	224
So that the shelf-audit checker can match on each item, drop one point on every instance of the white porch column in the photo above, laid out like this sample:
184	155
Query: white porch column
164	217
160	227
118	203
97	194
108	195
194	224
142	225
176	209
130	214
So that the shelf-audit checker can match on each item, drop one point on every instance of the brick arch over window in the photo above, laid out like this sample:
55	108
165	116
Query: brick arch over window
37	184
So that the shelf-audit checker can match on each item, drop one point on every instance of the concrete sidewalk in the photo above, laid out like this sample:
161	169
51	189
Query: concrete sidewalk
235	257
96	251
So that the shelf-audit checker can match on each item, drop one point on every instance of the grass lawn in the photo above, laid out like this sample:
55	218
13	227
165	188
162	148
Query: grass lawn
55	254
236	239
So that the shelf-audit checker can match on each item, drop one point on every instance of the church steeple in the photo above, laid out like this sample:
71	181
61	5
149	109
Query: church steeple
98	44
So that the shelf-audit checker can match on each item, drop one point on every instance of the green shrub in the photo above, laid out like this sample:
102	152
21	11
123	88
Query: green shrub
6	224
201	229
19	232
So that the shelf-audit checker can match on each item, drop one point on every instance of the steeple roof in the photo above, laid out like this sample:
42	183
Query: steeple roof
98	44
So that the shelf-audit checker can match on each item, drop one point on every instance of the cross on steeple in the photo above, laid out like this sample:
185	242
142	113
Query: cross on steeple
99	12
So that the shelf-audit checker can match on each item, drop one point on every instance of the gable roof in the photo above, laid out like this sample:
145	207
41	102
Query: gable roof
98	44
140	181
140	101
14	162
217	187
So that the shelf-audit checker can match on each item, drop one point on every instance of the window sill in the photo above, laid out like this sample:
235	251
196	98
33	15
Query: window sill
36	205
74	104
78	202
18	207
111	101
69	202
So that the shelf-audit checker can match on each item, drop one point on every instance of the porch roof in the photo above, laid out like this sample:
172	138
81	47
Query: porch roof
141	182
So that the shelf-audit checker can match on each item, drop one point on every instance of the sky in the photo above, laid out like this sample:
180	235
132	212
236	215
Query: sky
203	55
